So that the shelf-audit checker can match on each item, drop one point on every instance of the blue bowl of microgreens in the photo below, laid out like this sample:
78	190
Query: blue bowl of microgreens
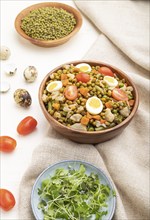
73	190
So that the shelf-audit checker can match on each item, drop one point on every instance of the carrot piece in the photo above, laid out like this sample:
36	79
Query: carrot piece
84	120
96	117
102	121
65	82
108	104
88	115
56	106
84	91
76	70
131	102
63	76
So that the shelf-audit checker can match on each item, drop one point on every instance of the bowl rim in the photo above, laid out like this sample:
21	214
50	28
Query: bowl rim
99	170
66	7
108	130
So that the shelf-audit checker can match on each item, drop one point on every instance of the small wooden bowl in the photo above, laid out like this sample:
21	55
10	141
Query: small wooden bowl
48	43
92	137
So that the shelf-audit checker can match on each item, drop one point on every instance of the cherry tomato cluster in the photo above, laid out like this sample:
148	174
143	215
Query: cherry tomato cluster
71	92
26	126
7	145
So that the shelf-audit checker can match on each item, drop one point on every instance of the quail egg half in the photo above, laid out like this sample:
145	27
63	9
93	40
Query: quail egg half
30	74
54	86
94	105
110	81
84	67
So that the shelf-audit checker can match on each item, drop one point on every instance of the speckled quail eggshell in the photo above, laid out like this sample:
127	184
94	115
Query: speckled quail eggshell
4	87
30	74
10	69
22	97
4	53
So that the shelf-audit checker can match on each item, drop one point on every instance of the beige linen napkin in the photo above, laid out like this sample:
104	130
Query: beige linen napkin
126	157
125	23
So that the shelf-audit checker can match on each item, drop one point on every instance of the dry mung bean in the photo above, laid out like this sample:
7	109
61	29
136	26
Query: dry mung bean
48	23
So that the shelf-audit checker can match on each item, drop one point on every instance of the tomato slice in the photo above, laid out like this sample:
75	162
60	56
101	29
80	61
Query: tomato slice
27	125
71	92
7	200
106	71
83	77
119	94
7	144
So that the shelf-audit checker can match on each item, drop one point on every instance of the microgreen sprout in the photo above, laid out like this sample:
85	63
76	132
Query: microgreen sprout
73	195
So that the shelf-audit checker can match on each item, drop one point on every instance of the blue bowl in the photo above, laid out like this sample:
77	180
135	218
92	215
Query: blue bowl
75	164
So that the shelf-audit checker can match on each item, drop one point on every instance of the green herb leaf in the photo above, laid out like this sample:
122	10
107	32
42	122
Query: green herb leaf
73	195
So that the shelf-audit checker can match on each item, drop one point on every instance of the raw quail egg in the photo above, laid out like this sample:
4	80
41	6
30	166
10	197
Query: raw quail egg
84	67
22	97
94	105
54	86
4	53
10	69
110	81
30	74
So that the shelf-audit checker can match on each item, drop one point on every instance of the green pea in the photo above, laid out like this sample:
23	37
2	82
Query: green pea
114	110
109	92
121	85
115	106
59	71
91	129
99	95
78	84
51	112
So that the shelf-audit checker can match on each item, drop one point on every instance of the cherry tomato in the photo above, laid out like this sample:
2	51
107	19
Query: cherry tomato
7	200
27	125
7	144
119	94
71	92
83	77
105	71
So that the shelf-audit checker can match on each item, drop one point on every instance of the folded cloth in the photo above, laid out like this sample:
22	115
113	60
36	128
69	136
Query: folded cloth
125	23
125	159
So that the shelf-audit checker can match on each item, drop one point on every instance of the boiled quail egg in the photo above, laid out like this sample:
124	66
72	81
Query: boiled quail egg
110	81
84	67
94	105
54	86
